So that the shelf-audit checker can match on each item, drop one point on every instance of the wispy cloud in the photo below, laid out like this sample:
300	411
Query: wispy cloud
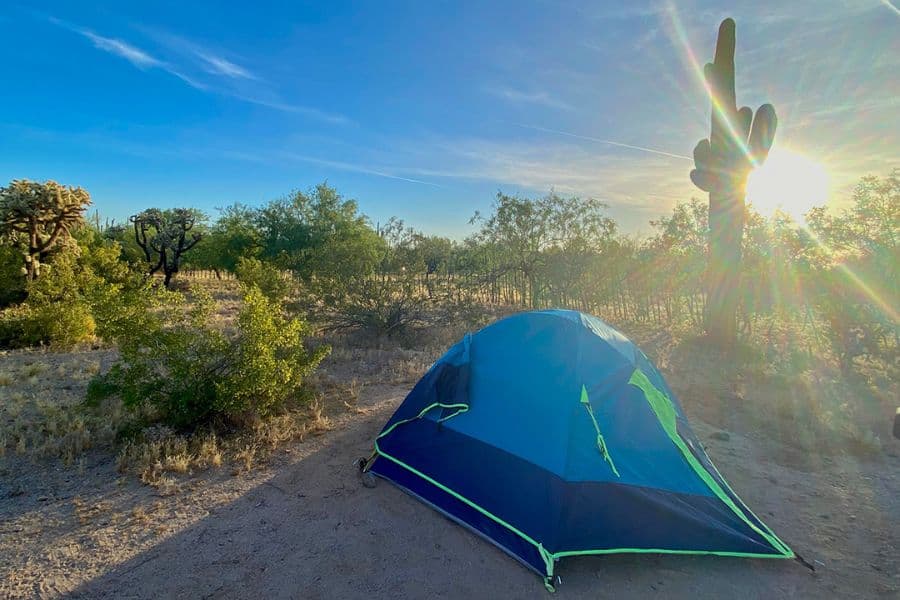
209	62
134	55
533	97
636	182
624	11
222	66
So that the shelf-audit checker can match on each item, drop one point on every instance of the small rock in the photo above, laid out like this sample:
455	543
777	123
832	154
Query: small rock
824	516
723	436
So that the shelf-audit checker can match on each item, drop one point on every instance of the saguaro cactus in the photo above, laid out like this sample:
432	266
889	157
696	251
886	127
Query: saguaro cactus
738	141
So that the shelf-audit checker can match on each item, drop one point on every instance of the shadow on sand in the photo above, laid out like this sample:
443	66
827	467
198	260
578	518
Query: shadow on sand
313	531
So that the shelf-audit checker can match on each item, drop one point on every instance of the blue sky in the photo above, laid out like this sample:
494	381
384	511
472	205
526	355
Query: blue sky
425	109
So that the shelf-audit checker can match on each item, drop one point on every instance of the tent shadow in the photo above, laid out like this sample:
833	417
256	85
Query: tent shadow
313	531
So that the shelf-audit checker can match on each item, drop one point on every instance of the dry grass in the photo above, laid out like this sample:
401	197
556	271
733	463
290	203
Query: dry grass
160	453
41	415
87	512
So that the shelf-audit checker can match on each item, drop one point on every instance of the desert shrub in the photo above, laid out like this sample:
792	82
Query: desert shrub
269	362
383	306
14	321
60	325
102	258
12	280
57	308
56	311
122	236
188	372
270	280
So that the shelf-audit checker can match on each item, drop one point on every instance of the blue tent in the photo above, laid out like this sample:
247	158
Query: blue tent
551	434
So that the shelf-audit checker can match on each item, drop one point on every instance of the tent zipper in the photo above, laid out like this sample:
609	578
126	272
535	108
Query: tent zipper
601	443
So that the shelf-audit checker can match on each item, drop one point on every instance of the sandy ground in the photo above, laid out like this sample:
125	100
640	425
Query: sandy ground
304	527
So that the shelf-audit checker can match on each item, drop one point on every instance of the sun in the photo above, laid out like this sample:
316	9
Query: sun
789	182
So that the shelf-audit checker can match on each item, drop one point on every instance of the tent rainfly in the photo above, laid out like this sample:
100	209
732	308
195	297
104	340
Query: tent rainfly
552	435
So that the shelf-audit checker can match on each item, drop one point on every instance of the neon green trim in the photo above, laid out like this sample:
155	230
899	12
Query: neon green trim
665	412
733	493
664	551
461	409
548	560
544	554
458	412
551	557
601	443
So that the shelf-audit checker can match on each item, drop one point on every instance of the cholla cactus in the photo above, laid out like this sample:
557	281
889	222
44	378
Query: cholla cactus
738	142
38	216
163	236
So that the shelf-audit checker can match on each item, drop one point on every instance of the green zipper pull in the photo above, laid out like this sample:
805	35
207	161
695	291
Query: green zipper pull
601	443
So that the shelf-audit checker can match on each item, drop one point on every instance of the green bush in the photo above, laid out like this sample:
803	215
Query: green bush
270	280
63	324
102	257
187	372
56	308
12	280
56	312
14	322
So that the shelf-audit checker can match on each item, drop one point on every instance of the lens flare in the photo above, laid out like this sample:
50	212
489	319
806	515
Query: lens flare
788	182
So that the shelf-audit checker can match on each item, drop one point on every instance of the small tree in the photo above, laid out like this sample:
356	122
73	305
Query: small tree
163	237
232	237
37	216
524	230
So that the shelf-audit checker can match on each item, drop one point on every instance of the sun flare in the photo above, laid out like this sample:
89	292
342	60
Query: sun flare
789	182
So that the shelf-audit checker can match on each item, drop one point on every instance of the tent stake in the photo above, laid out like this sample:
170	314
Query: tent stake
804	562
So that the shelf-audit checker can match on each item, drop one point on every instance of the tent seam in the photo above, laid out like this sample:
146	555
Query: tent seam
640	381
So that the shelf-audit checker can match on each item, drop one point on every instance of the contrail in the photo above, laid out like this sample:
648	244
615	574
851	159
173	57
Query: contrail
891	6
344	166
610	142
